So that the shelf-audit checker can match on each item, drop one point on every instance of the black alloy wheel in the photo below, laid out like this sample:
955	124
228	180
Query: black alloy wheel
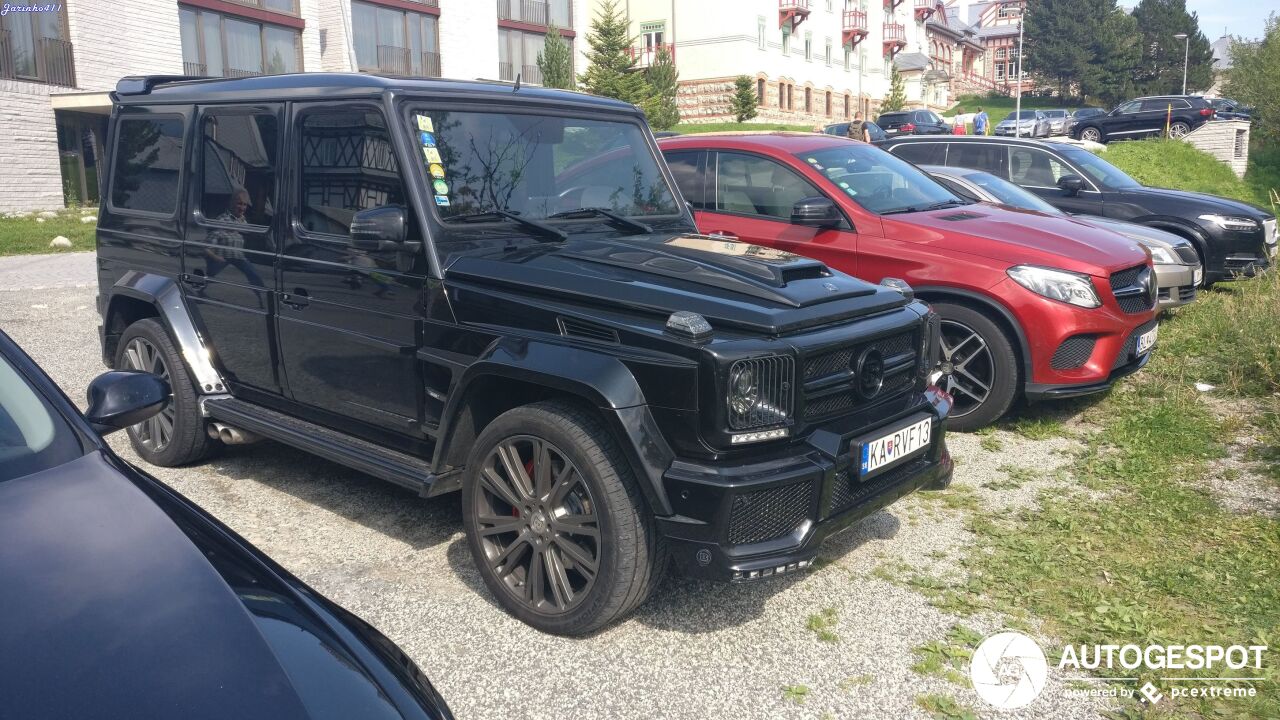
978	365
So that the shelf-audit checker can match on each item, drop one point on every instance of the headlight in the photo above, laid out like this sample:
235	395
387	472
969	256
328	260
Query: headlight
759	392
1229	222
1067	287
1160	254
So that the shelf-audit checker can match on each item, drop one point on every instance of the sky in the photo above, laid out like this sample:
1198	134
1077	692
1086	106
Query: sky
1244	18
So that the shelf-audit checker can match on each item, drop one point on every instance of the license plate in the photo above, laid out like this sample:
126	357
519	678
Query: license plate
1147	340
1196	276
895	446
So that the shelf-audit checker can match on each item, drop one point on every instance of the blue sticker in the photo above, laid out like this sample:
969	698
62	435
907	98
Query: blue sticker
442	200
427	139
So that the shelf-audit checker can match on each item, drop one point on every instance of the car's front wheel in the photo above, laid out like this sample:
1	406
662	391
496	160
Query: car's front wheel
979	367
556	522
1091	134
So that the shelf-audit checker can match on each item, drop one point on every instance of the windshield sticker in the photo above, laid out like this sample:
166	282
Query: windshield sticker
442	200
427	139
424	124
814	163
441	187
436	170
432	154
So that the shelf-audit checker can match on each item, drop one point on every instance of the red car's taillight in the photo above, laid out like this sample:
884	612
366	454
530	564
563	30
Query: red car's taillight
1206	111
907	127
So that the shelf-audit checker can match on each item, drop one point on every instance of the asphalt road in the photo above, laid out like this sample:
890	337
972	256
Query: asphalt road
695	650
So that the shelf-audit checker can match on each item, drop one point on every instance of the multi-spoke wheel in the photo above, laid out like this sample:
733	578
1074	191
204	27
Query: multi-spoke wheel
1179	130
978	367
1091	134
556	522
175	436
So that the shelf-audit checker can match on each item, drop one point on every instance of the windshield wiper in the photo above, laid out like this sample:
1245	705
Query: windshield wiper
542	229
946	204
615	218
914	209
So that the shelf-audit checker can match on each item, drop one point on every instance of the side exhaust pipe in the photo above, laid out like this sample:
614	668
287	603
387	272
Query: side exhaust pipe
232	435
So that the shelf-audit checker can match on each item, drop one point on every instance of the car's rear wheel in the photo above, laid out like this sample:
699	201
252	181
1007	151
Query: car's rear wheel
979	367
1091	134
556	522
176	435
1179	129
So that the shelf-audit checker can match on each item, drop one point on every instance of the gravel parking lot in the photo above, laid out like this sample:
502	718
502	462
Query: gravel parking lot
696	650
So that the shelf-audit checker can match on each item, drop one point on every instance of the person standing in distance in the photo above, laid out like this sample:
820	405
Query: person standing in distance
980	122
858	128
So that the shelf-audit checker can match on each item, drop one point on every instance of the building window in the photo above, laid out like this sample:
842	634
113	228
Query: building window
534	12
1013	69
518	54
760	32
808	100
760	90
1010	10
652	34
848	59
395	42
1000	53
148	162
828	106
225	45
848	102
34	46
786	41
808	46
828	55
999	71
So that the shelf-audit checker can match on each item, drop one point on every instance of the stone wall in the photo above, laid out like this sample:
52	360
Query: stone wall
1227	140
30	178
711	101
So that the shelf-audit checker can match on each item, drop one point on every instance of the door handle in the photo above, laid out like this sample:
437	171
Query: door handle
195	281
297	300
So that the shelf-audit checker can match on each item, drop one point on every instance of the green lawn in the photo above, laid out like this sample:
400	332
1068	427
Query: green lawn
1177	165
31	234
998	106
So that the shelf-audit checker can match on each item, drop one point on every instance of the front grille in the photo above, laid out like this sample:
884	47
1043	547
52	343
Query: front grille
1187	292
847	492
1130	343
1073	352
829	382
1187	254
769	514
1133	289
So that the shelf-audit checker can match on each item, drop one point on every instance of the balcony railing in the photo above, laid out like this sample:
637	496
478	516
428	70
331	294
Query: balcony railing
55	62
194	69
528	73
534	12
855	21
894	33
793	5
394	60
238	73
287	6
646	55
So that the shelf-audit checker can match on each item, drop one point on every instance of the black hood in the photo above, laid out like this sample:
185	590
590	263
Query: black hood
732	284
1160	200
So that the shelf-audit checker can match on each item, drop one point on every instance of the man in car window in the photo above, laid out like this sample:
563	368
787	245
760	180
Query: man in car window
229	250
858	128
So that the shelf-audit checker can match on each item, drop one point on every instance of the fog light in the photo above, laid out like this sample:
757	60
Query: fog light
751	437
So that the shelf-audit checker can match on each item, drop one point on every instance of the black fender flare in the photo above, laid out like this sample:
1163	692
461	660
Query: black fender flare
989	303
165	296
599	379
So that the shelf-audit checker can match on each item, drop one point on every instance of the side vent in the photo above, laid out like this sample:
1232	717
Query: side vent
805	272
586	330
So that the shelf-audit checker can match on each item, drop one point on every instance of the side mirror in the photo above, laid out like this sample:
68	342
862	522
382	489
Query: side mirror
122	398
381	228
818	212
1071	184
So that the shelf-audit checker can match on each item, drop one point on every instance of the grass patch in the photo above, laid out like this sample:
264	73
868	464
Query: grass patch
795	693
31	235
823	624
1177	165
998	106
948	658
945	708
686	128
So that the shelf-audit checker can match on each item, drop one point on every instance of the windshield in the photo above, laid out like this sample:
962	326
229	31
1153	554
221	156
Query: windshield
877	180
1024	115
1101	171
33	436
536	166
1056	113
1010	194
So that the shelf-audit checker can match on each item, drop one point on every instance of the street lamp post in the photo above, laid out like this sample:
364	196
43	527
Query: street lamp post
1186	55
1017	112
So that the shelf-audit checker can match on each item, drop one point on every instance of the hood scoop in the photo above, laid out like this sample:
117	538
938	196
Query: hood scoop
962	215
586	330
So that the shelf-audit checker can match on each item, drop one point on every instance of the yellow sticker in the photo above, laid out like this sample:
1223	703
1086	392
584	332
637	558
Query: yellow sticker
433	155
437	171
424	124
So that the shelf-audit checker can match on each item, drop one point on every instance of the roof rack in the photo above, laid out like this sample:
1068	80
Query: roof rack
143	84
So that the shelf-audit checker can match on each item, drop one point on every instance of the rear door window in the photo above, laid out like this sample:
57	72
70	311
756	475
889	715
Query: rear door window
988	157
686	167
1033	167
931	153
148	163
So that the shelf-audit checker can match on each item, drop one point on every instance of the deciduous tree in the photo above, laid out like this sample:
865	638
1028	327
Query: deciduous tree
1254	79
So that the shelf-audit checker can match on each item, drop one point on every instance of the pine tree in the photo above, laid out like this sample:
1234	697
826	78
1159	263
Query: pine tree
1160	69
1116	49
1057	40
744	100
1254	79
663	80
897	98
556	61
611	70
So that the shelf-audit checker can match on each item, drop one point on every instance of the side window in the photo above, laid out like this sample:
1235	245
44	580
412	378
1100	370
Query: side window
347	165
957	188
684	166
148	162
1158	105
1129	108
1034	167
929	153
757	186
238	167
987	157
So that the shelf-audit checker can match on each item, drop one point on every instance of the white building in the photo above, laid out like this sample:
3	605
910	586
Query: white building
56	67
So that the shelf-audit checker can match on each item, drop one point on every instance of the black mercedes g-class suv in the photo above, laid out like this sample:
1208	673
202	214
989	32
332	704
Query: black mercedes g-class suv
497	289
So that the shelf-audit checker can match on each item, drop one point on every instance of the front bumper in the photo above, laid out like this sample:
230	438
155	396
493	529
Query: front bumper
735	522
1175	284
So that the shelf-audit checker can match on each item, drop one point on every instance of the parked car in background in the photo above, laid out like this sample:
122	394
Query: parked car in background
1231	237
1079	115
1057	121
1177	265
506	298
1031	305
1028	123
842	130
1228	109
1146	117
123	599
913	122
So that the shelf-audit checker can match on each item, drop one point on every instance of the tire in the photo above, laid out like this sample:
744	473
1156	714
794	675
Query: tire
998	367
1179	130
527	555
1091	134
182	438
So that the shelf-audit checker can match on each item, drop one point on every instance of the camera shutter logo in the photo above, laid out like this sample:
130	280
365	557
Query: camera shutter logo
1011	692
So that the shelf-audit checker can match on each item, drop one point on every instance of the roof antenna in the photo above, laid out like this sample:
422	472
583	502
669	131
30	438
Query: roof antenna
517	87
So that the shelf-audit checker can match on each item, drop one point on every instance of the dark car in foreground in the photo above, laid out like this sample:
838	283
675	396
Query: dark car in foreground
1175	261
1231	237
122	599
1175	115
912	122
841	129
